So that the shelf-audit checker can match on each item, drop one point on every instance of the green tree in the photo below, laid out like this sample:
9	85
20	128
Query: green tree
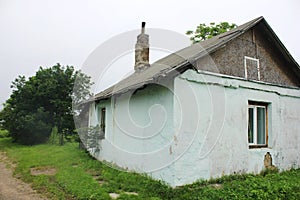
204	32
42	102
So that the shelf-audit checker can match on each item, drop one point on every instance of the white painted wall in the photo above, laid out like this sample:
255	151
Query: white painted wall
197	129
220	144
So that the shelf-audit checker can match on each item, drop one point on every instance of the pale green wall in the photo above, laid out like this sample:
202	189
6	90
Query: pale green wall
220	143
199	128
139	129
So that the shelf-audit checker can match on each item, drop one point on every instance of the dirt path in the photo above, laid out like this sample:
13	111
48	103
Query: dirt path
12	188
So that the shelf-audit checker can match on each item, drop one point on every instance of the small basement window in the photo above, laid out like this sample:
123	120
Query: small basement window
257	124
252	71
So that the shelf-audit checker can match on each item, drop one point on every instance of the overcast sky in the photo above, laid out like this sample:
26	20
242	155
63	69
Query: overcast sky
37	33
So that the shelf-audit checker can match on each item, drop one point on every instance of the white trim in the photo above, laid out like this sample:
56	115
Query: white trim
254	130
243	79
254	120
245	66
258	70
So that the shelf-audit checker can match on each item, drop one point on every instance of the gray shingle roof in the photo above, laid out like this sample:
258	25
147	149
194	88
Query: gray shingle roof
182	59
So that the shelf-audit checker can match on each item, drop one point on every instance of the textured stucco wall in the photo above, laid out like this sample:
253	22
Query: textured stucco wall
220	145
197	129
139	129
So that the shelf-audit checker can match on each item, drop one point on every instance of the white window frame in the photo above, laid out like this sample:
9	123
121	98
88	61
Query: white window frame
245	66
254	106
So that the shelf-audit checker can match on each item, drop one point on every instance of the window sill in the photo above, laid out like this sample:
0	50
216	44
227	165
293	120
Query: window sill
257	146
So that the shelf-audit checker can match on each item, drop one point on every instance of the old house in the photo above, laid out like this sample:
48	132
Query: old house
227	105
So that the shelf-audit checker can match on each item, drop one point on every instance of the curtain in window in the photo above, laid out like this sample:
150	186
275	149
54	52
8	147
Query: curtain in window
250	126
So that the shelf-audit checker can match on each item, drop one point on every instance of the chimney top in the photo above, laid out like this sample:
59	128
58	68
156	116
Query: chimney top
143	27
142	50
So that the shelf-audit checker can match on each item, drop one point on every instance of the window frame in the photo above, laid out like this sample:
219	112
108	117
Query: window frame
103	120
255	105
246	69
101	114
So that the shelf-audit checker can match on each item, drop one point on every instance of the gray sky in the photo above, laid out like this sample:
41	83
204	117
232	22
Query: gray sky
37	33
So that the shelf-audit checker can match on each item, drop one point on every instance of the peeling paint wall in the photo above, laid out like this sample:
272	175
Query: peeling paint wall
201	131
220	144
139	129
205	129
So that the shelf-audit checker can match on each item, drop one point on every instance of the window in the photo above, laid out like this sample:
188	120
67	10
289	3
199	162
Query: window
257	124
252	70
101	119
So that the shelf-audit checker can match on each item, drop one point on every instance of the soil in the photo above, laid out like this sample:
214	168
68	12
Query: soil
43	171
12	188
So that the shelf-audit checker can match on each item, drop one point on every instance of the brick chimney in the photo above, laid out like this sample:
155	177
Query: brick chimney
142	50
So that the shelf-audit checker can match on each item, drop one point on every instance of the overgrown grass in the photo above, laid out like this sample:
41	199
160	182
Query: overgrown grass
79	176
76	172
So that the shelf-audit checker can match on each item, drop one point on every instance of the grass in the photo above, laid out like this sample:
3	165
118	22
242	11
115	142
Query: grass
78	176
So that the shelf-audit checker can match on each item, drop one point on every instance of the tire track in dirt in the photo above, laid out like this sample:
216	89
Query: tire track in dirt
12	188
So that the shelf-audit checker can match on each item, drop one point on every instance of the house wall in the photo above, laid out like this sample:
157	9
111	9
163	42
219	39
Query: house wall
197	128
139	129
211	128
229	60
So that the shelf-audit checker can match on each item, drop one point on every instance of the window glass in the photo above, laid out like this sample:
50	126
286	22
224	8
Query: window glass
257	124
261	125
101	121
102	125
250	126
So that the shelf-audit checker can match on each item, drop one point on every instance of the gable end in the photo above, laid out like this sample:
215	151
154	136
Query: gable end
266	60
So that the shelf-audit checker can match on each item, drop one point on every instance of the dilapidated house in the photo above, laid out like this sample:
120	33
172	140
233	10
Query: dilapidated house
230	104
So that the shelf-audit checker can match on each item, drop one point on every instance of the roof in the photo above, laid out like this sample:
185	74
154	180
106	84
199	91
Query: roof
181	60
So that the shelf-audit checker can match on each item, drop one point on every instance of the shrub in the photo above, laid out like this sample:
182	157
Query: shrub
4	133
33	128
54	137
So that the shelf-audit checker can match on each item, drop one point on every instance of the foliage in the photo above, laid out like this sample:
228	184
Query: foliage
54	137
4	133
204	32
80	177
42	102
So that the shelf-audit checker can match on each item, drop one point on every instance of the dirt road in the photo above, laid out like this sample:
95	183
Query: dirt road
12	188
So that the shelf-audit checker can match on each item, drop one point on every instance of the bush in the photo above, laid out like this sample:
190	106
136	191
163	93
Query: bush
33	128
54	137
4	133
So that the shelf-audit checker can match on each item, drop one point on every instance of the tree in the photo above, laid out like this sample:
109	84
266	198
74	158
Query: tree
43	101
204	32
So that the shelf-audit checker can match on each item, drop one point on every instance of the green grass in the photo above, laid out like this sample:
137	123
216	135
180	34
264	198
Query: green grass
76	173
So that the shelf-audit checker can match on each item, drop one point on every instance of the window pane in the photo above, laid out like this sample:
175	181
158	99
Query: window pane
103	119
250	125
261	125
